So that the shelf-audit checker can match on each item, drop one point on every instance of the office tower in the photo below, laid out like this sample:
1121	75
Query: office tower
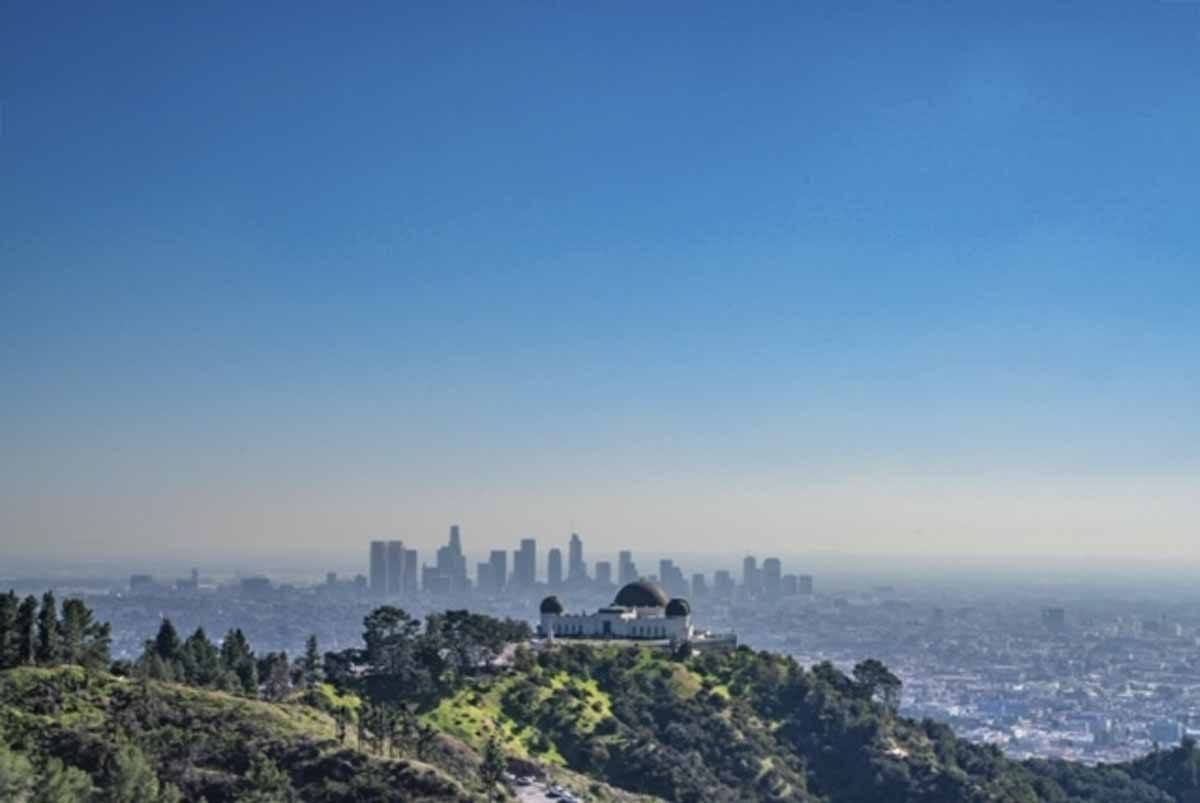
626	568
483	578
772	571
789	586
395	567
330	578
452	563
723	584
524	574
750	575
195	579
577	573
554	568
804	584
699	586
379	568
603	573
672	579
499	560
410	572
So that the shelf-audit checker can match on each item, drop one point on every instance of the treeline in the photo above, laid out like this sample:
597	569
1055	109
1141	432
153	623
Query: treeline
231	666
33	635
403	659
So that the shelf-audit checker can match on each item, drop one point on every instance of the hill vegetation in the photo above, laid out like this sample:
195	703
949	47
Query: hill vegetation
439	709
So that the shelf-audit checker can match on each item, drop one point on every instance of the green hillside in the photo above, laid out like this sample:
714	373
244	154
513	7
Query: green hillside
441	709
197	743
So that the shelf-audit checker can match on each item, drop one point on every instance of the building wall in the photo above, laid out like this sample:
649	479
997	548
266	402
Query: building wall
628	624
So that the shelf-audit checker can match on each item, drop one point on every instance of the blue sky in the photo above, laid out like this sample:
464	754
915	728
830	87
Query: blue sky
803	275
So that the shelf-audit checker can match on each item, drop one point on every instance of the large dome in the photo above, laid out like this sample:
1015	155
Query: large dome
678	607
552	605
641	594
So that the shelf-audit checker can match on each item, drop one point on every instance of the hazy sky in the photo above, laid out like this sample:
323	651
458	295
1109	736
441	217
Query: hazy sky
813	275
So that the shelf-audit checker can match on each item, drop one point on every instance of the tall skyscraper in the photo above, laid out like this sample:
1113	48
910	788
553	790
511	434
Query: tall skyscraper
411	570
577	573
603	573
626	568
379	569
395	567
750	575
554	568
452	563
699	586
499	560
723	584
804	584
524	574
772	573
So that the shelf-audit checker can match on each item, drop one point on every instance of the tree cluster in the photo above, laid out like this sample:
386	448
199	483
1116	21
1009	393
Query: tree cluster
33	635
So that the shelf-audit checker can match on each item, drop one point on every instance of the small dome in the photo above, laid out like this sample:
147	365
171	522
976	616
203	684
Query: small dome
678	607
552	605
641	594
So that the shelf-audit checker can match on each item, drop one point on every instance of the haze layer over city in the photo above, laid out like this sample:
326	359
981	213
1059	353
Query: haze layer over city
866	330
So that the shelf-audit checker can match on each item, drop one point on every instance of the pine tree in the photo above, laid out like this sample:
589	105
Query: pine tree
48	639
26	640
491	770
312	662
237	657
8	629
166	643
131	778
17	776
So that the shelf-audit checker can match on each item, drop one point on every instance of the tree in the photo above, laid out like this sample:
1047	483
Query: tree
277	675
874	679
491	770
312	662
267	783
26	641
166	642
131	779
84	641
63	784
17	778
48	641
8	629
389	634
237	657
200	659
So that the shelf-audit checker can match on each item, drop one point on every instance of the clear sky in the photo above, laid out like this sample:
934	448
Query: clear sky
875	277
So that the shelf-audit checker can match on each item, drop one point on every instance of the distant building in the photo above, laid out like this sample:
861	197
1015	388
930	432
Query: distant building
331	579
255	586
411	563
483	577
577	573
804	584
626	568
789	586
524	572
1055	619
395	568
554	568
604	574
723	585
671	576
379	571
451	562
772	576
499	561
640	611
699	586
142	584
751	580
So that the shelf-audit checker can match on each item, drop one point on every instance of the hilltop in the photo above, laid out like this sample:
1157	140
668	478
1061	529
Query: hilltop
452	708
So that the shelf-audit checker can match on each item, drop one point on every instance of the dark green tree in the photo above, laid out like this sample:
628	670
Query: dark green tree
48	639
62	784
17	776
166	642
8	629
238	658
312	662
26	640
491	769
201	660
267	783
84	640
875	680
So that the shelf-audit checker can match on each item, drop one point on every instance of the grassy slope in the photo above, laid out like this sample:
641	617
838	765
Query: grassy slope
201	740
